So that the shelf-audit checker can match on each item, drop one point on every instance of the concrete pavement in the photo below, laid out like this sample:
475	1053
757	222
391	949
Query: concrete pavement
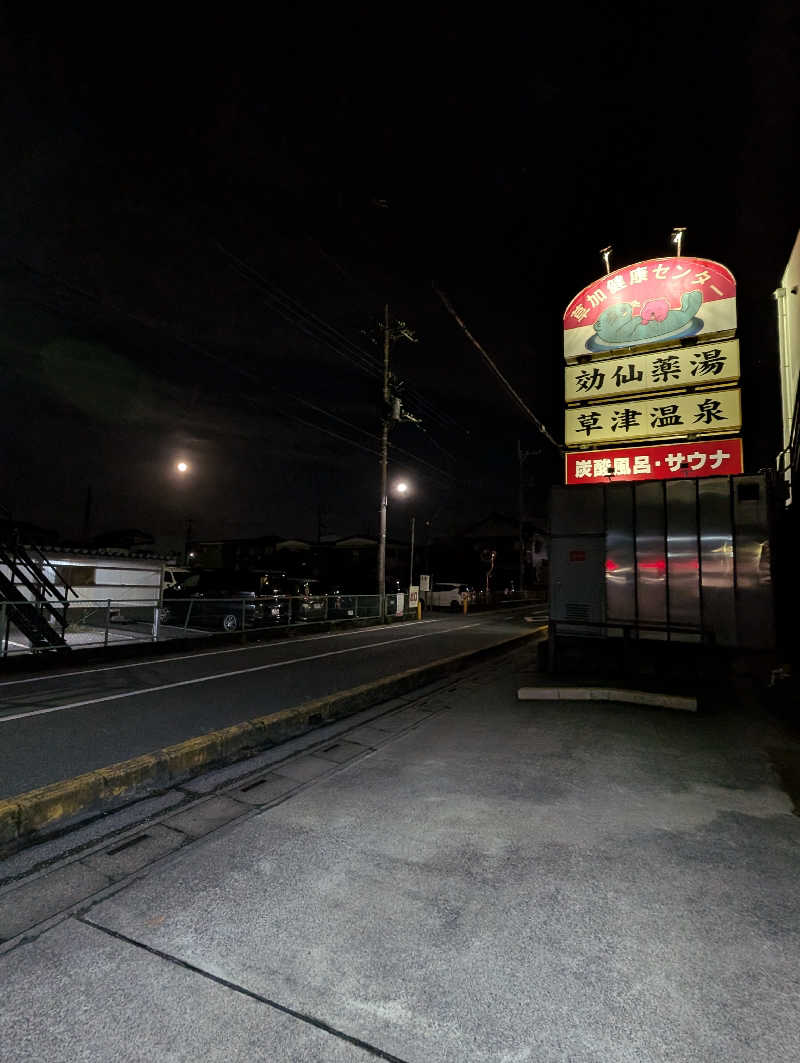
475	878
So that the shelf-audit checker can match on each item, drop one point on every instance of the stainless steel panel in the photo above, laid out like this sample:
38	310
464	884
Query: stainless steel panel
753	590
651	562
683	562
576	510
620	556
716	559
576	580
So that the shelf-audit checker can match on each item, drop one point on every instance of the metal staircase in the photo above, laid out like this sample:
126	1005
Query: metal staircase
42	618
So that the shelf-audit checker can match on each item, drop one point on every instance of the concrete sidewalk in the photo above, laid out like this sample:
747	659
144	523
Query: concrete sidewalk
477	879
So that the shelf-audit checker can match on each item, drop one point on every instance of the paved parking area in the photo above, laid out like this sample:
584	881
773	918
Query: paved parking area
493	880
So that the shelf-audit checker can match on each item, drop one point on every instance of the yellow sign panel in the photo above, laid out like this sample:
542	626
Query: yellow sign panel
654	418
680	367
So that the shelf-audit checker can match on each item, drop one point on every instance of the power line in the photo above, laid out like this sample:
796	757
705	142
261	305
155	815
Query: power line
297	314
245	373
400	450
508	387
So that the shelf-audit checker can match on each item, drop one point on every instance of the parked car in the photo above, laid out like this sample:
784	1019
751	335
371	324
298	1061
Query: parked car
223	599
307	602
450	594
341	606
174	576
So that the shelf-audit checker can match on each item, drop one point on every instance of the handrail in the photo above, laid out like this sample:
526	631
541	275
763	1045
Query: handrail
15	555
706	634
21	577
794	435
42	559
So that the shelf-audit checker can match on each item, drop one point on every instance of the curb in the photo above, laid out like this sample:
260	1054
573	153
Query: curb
38	813
633	697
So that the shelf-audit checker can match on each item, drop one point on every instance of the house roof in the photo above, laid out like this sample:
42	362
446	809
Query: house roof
500	526
494	525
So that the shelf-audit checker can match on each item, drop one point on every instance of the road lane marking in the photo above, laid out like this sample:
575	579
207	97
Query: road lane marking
201	653
221	675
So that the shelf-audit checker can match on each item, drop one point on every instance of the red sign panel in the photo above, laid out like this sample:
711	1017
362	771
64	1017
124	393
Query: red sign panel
656	301
669	461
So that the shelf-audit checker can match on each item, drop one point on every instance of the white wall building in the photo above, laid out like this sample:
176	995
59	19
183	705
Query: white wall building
787	298
100	575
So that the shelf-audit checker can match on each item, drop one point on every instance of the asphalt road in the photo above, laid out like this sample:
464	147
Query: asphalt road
57	726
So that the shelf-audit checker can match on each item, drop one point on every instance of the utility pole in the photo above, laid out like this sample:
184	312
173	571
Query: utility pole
87	514
384	461
187	540
392	411
521	519
411	565
522	456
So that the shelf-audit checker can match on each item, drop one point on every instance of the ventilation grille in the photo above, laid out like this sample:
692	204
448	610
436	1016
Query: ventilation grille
577	611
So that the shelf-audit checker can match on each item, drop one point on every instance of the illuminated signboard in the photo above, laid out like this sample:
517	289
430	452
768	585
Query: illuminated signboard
650	303
667	461
662	415
677	367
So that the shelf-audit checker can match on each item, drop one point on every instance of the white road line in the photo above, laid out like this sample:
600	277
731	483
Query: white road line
221	675
201	653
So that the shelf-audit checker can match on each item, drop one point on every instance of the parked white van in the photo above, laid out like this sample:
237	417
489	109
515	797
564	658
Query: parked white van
449	594
174	576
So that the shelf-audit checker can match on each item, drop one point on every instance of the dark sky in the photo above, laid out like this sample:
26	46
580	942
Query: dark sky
345	161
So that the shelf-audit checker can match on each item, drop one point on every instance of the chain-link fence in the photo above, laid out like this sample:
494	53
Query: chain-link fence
34	625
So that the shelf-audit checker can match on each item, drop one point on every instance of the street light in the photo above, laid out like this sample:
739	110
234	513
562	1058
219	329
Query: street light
182	468
403	489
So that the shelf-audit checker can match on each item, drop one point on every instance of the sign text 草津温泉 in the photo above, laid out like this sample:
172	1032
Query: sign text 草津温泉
693	413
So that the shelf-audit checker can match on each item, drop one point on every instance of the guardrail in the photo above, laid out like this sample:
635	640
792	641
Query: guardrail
90	624
109	621
632	637
630	629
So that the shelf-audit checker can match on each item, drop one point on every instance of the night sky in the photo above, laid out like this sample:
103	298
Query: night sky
202	221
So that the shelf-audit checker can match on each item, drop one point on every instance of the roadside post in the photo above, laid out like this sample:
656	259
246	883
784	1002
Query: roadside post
414	604
424	585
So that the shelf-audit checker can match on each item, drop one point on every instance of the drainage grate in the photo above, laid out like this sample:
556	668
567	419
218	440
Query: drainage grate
129	844
252	785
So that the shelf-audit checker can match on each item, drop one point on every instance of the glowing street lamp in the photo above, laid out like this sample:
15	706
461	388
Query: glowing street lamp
182	468
403	488
677	238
